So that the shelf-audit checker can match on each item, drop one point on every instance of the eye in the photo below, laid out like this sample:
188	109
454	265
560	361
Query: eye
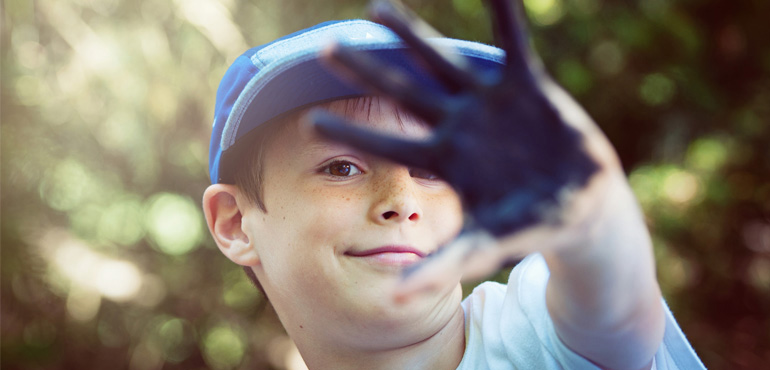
423	174
342	169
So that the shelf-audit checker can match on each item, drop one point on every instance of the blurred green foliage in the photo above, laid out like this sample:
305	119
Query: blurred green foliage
106	109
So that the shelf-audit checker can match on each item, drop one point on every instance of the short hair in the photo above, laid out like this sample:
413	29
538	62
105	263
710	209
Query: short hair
250	177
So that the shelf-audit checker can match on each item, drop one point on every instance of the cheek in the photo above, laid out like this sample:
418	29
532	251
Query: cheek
308	231
447	215
318	218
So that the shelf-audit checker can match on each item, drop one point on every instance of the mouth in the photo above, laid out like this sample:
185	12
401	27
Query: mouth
391	255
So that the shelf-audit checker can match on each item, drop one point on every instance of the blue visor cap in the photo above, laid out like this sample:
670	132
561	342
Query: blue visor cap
271	80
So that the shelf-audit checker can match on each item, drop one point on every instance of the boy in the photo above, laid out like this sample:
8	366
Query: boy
327	217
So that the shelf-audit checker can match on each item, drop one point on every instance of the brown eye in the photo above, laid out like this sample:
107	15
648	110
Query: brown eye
342	169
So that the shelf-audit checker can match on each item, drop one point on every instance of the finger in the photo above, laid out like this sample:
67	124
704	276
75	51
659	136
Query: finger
438	271
510	33
484	258
367	71
421	154
453	70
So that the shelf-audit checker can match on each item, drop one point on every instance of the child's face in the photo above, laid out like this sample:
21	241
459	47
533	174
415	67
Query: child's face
339	228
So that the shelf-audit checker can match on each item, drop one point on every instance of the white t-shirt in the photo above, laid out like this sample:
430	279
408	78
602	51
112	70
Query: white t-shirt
508	327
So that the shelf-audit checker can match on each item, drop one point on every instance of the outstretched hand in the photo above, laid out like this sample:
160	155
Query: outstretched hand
516	147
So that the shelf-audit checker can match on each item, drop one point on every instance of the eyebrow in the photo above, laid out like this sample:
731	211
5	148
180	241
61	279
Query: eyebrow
316	146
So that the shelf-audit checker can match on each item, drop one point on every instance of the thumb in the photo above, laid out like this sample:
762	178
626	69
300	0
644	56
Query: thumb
472	253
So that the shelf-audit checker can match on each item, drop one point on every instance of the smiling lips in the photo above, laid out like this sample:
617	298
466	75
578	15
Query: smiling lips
389	255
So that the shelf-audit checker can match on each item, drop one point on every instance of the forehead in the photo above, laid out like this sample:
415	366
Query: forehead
377	114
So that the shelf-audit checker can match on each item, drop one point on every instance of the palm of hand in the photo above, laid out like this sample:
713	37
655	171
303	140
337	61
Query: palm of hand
506	150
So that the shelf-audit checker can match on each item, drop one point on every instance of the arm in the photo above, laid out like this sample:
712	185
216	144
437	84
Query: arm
603	296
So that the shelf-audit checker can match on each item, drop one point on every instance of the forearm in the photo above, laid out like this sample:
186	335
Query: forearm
602	295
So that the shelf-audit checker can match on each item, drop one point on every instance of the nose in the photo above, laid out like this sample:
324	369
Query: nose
396	199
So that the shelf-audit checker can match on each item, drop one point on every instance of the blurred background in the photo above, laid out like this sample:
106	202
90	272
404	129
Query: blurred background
106	112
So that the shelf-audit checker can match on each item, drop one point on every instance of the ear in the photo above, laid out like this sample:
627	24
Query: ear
224	217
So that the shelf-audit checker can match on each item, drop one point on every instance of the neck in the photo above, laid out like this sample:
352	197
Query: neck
440	350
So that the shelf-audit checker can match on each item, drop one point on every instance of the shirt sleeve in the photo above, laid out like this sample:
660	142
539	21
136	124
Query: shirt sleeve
508	327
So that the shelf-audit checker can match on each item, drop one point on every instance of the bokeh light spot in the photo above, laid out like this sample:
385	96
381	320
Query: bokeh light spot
175	337
756	236
82	273
85	221
223	348
31	90
657	89
759	274
545	12
607	58
574	76
681	187
122	221
121	132
117	280
68	185
31	55
706	154
174	223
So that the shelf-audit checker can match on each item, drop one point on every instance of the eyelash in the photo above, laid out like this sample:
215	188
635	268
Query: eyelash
414	172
